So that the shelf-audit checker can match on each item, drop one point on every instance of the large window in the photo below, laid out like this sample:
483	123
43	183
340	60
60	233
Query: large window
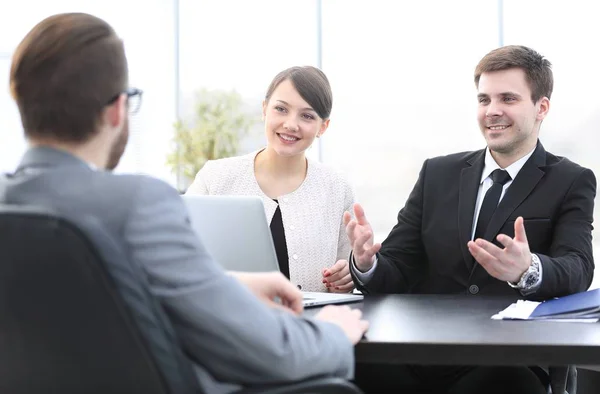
402	78
239	46
401	73
147	27
13	143
566	33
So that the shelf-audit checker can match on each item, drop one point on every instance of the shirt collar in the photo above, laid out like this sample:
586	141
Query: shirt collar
44	156
490	165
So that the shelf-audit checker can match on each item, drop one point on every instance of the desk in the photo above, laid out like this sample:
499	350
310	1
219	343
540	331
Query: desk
457	330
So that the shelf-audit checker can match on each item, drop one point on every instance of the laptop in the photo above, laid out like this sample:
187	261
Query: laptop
235	232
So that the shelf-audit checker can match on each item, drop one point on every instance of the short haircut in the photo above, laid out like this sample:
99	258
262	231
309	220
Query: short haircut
538	70
63	74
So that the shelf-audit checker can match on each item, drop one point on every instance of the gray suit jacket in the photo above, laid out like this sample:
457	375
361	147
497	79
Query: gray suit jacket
231	337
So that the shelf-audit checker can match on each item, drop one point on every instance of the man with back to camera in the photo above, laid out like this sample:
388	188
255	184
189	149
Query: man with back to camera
69	78
511	219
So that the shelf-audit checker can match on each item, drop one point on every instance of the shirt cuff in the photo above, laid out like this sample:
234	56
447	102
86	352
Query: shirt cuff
363	277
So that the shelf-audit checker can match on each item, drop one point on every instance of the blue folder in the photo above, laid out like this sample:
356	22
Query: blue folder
578	305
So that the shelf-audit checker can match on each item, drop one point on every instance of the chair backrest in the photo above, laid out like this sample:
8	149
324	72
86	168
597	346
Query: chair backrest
70	323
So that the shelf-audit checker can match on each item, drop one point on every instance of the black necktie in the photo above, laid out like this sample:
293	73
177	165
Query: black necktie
490	201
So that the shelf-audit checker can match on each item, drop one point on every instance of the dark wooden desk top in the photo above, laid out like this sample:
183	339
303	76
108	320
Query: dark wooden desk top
457	330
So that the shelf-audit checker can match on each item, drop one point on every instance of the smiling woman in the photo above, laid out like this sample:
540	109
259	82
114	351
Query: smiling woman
304	200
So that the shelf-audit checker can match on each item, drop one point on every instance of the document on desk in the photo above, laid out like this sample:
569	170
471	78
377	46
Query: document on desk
580	307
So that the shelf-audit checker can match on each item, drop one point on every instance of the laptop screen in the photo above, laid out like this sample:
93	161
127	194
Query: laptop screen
234	230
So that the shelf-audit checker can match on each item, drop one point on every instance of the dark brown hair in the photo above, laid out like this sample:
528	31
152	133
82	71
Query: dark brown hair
312	85
538	70
63	74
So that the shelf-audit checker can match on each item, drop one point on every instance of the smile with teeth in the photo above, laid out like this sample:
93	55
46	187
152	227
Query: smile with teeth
287	137
497	127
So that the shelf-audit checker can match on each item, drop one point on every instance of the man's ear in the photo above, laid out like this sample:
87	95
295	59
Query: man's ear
114	114
544	108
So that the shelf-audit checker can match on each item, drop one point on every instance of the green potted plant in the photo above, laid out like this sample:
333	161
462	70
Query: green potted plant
214	131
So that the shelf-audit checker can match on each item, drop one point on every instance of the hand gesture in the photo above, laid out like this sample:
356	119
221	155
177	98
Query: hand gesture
360	234
506	264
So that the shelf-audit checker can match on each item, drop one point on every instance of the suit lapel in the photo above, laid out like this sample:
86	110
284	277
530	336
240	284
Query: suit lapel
526	180
470	178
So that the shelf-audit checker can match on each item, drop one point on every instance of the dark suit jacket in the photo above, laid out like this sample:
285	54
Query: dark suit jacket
426	252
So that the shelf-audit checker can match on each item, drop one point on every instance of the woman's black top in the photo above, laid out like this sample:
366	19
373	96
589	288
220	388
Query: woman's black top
278	234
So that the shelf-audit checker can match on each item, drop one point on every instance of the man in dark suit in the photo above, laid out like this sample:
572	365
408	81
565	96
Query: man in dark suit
511	219
70	81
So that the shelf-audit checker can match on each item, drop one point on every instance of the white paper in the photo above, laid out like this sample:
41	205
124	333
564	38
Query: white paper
521	310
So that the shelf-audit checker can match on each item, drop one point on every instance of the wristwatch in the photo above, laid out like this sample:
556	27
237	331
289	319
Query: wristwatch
529	277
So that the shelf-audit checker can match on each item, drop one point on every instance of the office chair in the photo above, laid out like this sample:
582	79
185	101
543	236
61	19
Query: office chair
72	321
563	380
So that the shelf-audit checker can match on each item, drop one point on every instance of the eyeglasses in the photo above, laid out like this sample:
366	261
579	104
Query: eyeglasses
134	99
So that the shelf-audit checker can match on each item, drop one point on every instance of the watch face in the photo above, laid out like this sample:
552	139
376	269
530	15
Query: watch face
530	280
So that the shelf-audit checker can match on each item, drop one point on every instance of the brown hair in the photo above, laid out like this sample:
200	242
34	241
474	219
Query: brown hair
63	74
538	70
312	85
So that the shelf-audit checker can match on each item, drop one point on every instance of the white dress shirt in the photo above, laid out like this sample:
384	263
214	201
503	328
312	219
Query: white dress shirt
486	182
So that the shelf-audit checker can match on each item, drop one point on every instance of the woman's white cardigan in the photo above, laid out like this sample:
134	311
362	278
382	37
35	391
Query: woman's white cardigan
312	214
